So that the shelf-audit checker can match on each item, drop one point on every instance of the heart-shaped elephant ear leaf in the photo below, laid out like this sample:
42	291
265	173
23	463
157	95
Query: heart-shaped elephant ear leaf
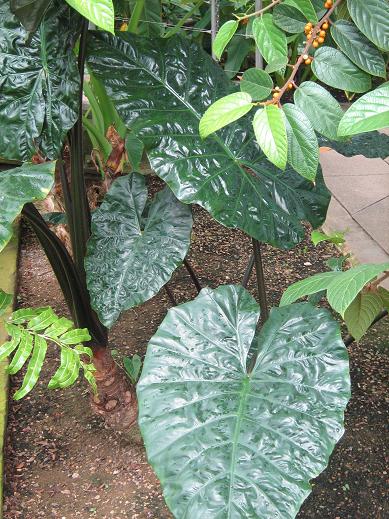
19	186
131	255
229	442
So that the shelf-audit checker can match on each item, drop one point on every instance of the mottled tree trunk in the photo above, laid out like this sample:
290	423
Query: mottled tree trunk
116	398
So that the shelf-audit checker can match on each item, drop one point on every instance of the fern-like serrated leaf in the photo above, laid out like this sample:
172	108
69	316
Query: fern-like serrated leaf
23	315
43	320
8	347
68	371
34	367
76	336
22	353
59	327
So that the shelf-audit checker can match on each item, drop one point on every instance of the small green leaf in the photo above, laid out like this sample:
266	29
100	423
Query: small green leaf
371	17
83	350
343	290
99	12
337	237
362	312
358	48
224	111
5	301
59	327
270	132
369	112
34	368
336	264
289	19
270	40
76	336
334	68
133	365
257	83
89	376
22	353
320	107
68	371
303	148
307	287
8	347
42	321
224	35
304	6
23	315
134	149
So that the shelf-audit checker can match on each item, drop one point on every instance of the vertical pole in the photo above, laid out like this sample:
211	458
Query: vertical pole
260	280
214	21
258	57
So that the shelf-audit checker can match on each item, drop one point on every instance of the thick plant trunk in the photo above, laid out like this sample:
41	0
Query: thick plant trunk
116	398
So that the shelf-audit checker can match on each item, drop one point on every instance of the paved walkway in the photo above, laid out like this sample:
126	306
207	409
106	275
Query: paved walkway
359	205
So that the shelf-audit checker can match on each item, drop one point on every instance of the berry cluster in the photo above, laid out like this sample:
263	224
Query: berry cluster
319	37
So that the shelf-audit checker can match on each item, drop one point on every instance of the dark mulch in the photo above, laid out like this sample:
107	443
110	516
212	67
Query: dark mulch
62	463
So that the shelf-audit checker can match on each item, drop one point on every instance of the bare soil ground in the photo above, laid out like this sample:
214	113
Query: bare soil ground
61	462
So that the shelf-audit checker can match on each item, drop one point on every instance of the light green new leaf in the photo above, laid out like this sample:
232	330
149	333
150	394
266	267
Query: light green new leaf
320	107
224	111
343	290
99	12
336	237
307	286
132	366
303	148
226	442
257	83
362	312
19	186
333	68
369	112
130	255
43	320
22	353
358	48
34	367
5	301
76	336
304	6
371	17
224	35
270	40
59	327
8	347
270	132
68	371
23	315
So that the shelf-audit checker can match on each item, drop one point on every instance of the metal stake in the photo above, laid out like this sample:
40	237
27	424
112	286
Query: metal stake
192	274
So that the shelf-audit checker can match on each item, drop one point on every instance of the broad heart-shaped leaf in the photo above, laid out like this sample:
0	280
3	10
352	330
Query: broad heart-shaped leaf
99	12
225	442
224	35
334	68
224	111
371	17
161	89
303	149
270	40
358	48
19	186
30	13
257	83
320	107
270	132
38	108
130	258
369	112
362	312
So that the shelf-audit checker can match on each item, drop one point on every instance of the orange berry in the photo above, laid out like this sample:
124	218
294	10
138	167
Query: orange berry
290	86
322	34
309	35
320	40
276	94
328	4
325	25
315	44
308	61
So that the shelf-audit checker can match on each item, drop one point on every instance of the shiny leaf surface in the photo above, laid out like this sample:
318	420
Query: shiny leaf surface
289	19
99	12
335	69
371	17
270	132
19	186
226	442
161	91
370	145
224	35
29	13
131	256
39	83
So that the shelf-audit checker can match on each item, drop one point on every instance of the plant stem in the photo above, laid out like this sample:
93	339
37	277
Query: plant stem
380	279
80	218
192	274
257	13
248	271
260	280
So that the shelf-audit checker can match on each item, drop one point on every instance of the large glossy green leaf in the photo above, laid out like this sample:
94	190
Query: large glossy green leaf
303	149
39	83
161	89
224	111
369	112
270	132
224	35
19	186
131	255
334	68
30	12
270	40
371	17
99	12
229	443
358	48
320	107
